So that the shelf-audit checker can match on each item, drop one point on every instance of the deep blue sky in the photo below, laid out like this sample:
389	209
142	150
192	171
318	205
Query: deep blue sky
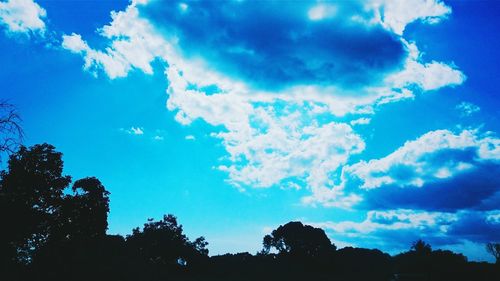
373	120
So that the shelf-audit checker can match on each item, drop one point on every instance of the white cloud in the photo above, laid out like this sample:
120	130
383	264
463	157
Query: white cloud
134	131
270	137
396	14
394	230
414	164
74	43
360	121
467	108
134	45
427	76
137	131
418	159
289	149
392	220
22	16
158	138
322	11
190	137
183	7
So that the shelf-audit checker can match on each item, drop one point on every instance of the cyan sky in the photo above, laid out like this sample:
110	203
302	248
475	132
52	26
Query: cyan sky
375	120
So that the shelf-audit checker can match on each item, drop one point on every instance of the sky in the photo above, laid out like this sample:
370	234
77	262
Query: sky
376	120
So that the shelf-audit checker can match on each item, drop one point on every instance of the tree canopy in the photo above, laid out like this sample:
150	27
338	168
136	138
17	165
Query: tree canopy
32	188
297	239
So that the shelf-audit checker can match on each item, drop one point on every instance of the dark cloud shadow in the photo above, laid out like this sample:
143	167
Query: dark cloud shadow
473	189
273	44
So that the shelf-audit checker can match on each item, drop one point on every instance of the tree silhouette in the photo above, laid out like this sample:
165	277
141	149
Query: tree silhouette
297	239
11	132
494	250
163	243
85	213
31	189
421	247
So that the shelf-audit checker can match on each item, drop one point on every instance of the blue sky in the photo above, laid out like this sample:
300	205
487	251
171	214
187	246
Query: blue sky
375	120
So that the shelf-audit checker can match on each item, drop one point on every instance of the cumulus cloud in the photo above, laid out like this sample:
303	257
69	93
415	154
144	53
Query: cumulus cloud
427	76
396	15
74	43
134	45
440	170
287	93
397	229
22	16
275	95
435	155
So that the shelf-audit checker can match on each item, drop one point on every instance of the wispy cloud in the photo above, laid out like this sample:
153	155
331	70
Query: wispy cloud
134	131
467	108
360	121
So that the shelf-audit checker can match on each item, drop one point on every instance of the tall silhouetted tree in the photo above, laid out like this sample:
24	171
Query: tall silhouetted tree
494	250
85	213
163	243
31	195
297	239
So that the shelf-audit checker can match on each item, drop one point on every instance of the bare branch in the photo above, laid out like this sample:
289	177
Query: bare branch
11	132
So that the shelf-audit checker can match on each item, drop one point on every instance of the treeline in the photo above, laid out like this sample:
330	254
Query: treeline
52	228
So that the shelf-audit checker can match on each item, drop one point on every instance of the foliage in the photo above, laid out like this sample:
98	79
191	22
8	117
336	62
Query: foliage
297	239
164	243
421	247
32	189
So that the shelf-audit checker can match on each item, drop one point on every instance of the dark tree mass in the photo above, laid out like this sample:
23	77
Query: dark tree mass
53	229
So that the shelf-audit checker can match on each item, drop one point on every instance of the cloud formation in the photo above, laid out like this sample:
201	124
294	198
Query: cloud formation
435	155
276	92
286	94
404	226
134	45
22	16
440	171
396	15
284	47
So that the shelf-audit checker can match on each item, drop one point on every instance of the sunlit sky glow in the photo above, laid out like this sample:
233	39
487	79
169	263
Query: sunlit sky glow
376	120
